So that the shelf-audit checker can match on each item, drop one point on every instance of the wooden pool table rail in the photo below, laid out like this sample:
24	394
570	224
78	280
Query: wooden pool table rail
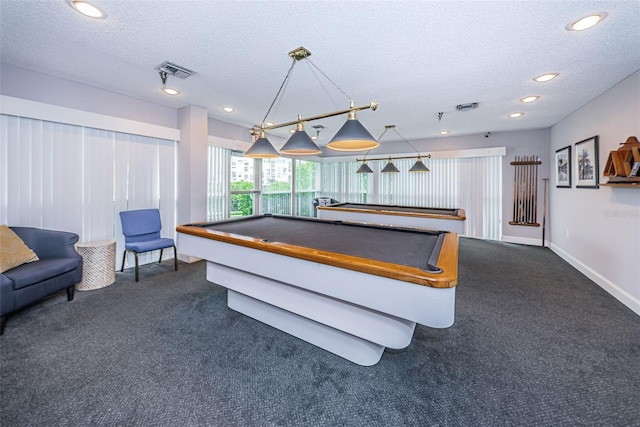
461	216
447	261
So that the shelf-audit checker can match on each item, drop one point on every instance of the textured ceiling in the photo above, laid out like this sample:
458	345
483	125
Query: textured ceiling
416	58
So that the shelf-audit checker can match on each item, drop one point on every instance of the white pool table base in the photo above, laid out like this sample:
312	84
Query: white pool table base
351	331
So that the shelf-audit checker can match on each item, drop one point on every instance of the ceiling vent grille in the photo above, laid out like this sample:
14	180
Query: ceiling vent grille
175	70
467	107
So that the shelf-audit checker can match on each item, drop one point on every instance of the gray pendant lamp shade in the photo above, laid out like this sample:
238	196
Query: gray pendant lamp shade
364	168
300	143
390	167
261	149
352	136
419	166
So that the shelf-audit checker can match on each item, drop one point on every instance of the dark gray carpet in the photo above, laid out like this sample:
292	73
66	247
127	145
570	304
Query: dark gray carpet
535	343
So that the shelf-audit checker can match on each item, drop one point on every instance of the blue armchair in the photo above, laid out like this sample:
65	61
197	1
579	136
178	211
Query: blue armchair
141	229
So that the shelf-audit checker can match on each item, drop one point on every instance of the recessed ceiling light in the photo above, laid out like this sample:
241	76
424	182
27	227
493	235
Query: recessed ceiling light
546	77
228	109
170	91
87	9
444	132
586	22
529	98
516	115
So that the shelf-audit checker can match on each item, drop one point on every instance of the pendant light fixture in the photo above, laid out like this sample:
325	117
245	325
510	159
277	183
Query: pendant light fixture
300	142
418	166
364	168
262	149
351	137
390	167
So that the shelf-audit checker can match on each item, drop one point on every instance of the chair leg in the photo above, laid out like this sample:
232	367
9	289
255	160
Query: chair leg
137	277
124	258
160	260
175	257
70	292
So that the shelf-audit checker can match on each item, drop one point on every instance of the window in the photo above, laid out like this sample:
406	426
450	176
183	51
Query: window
242	186
307	182
276	186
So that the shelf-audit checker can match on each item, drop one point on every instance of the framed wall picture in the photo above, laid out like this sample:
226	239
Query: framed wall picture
587	163
563	167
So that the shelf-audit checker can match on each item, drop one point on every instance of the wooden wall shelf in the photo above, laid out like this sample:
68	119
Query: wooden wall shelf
623	165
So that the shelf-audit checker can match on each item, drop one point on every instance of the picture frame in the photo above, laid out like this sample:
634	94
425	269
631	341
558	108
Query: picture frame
563	167
586	159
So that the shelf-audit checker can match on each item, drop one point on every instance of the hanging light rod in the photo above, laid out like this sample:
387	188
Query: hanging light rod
373	106
428	156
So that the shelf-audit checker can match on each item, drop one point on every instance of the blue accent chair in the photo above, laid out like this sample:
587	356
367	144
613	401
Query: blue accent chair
141	229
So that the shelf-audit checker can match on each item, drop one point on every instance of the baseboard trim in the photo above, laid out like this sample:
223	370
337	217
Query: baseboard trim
615	291
522	240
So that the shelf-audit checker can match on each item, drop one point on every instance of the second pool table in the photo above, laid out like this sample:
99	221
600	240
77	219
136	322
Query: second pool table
404	216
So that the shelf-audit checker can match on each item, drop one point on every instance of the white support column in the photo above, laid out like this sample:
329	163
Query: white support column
191	205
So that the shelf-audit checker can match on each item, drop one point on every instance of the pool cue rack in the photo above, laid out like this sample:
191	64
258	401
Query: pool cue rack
525	191
623	165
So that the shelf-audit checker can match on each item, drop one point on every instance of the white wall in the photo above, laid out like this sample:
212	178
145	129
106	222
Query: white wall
25	84
598	230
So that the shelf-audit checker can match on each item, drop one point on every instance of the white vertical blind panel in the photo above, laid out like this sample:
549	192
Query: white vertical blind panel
66	179
11	145
5	134
167	191
218	183
120	182
98	185
143	172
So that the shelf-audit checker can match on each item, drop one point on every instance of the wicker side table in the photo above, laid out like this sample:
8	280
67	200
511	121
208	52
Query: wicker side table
99	260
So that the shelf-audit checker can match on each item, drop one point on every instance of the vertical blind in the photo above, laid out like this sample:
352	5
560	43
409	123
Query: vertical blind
78	179
218	183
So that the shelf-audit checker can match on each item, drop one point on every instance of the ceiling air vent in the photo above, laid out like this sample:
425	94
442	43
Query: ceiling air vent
175	70
467	107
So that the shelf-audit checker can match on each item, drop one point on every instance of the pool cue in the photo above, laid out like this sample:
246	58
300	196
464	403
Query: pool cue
526	199
515	191
532	194
535	193
527	187
544	209
521	194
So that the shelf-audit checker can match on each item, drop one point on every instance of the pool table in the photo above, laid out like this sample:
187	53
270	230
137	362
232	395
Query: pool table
405	216
350	288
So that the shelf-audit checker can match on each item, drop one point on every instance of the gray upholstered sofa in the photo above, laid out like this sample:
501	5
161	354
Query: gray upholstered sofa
59	267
